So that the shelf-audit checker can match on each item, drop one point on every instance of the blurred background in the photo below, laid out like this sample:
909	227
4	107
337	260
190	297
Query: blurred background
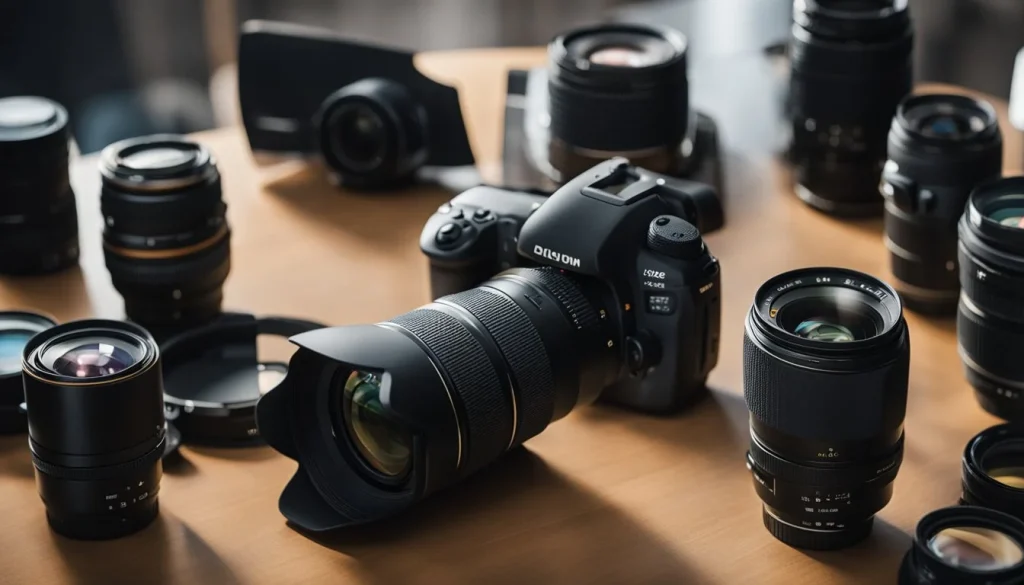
128	67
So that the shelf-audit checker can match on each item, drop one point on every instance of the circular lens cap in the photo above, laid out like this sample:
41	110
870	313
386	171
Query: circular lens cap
213	379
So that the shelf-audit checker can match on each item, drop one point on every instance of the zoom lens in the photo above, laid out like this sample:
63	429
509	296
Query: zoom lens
965	545
993	470
16	329
38	216
373	134
990	318
166	239
850	69
940	148
379	416
632	78
96	426
826	355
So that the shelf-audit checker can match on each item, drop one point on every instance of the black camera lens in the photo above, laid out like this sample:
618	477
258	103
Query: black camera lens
990	317
439	392
94	394
373	134
166	239
965	545
632	78
38	215
850	69
16	329
993	470
940	148
826	358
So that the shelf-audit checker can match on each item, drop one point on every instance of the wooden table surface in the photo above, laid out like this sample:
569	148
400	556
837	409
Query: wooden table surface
603	496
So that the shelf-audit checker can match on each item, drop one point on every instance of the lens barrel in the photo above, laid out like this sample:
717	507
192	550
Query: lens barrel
633	79
965	545
373	134
993	470
412	405
990	318
38	215
940	148
826	356
166	239
851	67
96	426
16	329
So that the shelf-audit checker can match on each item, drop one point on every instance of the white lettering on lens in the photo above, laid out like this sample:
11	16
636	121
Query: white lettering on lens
556	256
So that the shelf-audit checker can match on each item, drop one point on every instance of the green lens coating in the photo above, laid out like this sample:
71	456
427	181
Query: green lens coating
381	441
820	330
1009	216
12	342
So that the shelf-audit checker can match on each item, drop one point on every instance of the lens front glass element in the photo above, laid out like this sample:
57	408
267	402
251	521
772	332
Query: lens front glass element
382	442
1009	216
622	48
158	158
93	360
12	342
976	548
829	319
621	56
360	136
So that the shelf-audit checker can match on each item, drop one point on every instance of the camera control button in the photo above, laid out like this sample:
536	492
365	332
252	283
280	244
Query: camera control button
661	303
458	214
448	234
675	237
482	215
642	352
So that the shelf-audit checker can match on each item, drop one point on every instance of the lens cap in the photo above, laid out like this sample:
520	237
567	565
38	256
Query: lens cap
16	328
213	377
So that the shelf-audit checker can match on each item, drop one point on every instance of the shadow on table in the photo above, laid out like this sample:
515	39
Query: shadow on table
378	217
876	560
240	453
164	553
62	295
518	521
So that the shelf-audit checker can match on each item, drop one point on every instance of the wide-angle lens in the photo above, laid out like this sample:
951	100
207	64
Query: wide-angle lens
94	394
383	443
990	317
825	371
940	148
965	545
993	470
166	239
38	215
850	67
16	329
633	78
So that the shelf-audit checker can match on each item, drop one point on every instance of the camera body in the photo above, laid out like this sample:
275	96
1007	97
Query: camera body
527	151
627	228
373	118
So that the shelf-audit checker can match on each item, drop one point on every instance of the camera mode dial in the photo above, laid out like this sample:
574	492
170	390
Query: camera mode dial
675	237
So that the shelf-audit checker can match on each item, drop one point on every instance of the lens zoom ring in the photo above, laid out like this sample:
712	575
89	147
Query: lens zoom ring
580	311
852	474
806	403
987	341
100	473
477	384
525	353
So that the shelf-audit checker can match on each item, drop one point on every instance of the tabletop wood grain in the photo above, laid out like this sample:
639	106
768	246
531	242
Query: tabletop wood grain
603	496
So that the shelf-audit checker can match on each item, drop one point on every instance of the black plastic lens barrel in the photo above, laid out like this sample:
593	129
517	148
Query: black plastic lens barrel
993	470
633	79
38	215
850	68
166	239
94	393
940	148
965	545
826	358
990	318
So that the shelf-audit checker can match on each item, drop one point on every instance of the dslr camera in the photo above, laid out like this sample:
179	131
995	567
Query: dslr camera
366	111
631	78
623	301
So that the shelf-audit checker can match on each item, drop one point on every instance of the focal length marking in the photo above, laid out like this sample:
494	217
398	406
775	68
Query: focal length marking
556	256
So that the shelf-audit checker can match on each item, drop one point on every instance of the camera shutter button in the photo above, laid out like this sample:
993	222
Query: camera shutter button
675	237
448	234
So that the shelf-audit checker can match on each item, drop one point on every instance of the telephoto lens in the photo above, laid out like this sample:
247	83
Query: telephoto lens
632	78
166	239
940	148
16	328
993	470
965	545
990	318
96	426
38	215
826	357
850	69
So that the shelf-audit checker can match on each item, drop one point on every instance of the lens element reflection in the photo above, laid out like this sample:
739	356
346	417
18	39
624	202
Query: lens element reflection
975	548
820	330
382	442
93	360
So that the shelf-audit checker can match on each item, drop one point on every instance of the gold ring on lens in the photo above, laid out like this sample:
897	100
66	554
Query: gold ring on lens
171	253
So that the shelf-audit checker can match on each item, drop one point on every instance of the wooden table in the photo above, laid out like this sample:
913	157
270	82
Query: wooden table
603	496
